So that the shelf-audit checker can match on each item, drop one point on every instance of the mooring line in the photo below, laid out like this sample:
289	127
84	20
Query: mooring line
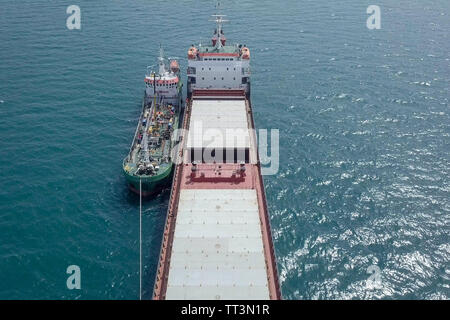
140	239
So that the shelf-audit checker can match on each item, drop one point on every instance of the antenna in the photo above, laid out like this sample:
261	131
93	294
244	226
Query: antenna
162	66
218	19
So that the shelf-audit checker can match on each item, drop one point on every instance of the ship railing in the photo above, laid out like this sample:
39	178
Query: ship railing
272	263
161	277
137	129
273	260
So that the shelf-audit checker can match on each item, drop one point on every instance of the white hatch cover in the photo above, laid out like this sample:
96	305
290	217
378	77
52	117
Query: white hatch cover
218	124
217	248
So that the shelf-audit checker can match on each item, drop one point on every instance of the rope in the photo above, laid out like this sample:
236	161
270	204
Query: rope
140	239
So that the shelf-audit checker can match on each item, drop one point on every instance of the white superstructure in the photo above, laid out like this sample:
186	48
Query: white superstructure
218	66
165	82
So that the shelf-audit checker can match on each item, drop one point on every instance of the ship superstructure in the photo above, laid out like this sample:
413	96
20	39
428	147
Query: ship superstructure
217	241
218	66
163	85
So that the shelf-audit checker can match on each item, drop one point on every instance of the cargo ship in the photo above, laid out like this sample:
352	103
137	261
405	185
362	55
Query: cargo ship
217	241
148	168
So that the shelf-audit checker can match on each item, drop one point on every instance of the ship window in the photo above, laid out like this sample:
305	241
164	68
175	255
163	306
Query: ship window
222	78
203	78
234	78
214	78
228	69
191	70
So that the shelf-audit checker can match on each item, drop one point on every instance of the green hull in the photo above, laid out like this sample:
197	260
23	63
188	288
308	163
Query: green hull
151	185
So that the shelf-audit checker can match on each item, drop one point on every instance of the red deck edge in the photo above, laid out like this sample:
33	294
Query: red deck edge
210	176
218	54
269	251
199	93
162	274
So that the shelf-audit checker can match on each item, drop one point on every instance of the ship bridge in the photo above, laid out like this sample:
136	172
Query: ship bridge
218	65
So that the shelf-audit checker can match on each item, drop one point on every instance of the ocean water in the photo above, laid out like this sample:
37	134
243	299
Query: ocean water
364	124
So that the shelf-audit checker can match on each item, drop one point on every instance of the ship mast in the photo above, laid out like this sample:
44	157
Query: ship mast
162	65
219	20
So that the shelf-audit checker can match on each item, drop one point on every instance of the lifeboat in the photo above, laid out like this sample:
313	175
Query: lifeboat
223	39
192	53
214	41
174	66
245	53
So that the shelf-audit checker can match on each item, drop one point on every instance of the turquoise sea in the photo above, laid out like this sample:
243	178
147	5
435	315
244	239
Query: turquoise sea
364	120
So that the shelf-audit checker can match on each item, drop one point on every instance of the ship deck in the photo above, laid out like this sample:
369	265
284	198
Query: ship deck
217	241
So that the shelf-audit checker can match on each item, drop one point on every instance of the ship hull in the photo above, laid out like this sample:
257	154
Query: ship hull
153	185
150	186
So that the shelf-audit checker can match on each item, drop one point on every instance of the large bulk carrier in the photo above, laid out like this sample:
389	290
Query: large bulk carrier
217	241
